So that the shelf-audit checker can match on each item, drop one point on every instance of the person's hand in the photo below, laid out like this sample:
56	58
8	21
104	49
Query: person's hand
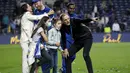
65	53
58	44
62	53
50	12
41	46
95	19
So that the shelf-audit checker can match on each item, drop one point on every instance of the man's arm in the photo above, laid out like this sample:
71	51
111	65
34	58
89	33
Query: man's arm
50	12
35	17
88	20
65	52
63	39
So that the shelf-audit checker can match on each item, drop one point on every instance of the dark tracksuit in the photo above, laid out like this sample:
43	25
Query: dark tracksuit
69	42
82	39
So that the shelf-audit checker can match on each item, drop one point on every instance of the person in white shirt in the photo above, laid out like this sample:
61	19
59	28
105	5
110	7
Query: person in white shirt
116	27
54	39
26	32
39	36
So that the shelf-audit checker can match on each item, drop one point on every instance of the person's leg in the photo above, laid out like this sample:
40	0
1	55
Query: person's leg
55	58
25	48
36	70
46	59
31	58
63	69
86	50
51	52
68	45
72	51
44	66
34	66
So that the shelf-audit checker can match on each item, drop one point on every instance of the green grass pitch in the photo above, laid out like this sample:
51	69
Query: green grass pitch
106	58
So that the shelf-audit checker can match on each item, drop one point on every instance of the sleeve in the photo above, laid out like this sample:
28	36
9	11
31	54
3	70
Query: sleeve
79	21
48	10
50	38
35	17
60	49
63	39
40	30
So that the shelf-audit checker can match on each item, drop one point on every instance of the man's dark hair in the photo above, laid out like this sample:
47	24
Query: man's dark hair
69	4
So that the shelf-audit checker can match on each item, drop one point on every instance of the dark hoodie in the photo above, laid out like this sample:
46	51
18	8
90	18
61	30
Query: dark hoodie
78	29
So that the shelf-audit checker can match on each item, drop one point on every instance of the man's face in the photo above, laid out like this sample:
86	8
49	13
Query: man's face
38	5
66	20
71	9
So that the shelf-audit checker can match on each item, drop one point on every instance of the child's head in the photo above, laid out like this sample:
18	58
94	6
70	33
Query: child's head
43	23
57	23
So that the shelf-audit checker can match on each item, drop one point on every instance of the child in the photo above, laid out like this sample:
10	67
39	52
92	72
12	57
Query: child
39	36
54	38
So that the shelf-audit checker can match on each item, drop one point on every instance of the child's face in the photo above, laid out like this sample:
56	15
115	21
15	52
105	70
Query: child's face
58	24
48	23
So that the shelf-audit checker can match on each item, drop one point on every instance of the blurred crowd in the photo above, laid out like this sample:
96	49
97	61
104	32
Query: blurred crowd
105	12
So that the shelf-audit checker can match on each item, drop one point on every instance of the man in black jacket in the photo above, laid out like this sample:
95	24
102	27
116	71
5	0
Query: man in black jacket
82	39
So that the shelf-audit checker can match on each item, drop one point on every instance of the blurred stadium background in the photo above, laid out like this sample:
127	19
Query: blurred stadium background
110	52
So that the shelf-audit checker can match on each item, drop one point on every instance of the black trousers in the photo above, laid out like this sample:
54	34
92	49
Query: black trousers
45	59
75	47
